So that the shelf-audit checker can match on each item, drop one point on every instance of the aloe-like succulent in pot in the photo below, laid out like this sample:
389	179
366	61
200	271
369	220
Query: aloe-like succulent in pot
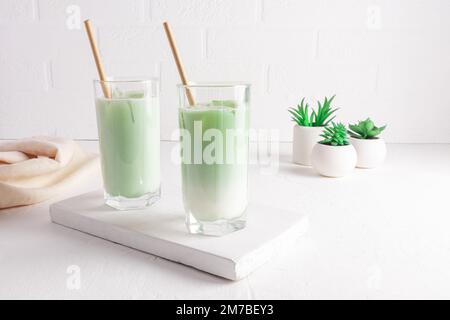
365	130
320	118
324	112
335	135
301	116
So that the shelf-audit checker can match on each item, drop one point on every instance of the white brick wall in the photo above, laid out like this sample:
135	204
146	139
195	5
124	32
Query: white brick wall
388	59
16	11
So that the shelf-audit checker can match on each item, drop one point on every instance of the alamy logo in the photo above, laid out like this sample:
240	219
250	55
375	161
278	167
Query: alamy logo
213	146
375	277
226	147
73	21
73	281
374	17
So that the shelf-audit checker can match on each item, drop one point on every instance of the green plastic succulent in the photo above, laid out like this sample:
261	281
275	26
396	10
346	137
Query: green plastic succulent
301	116
365	130
335	135
324	112
321	118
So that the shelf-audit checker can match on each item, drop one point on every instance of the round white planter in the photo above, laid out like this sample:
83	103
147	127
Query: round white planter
305	138
333	161
371	152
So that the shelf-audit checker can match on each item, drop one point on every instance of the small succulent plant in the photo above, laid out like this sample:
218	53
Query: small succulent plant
301	116
321	118
335	135
324	112
365	130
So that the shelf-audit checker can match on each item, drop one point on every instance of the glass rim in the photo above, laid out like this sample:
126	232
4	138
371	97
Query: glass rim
230	84
128	79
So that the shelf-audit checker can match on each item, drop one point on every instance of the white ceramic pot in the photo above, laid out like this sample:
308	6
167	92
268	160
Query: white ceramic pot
371	152
305	138
333	161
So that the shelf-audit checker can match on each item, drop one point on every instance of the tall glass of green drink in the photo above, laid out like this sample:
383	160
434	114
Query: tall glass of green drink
129	137
214	153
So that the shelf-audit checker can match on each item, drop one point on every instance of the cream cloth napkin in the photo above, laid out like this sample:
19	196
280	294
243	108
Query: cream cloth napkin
35	169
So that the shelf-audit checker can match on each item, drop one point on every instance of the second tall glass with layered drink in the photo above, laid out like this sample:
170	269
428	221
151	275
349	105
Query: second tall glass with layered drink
214	123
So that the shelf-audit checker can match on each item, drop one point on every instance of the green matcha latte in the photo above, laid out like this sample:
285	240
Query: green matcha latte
129	138
214	142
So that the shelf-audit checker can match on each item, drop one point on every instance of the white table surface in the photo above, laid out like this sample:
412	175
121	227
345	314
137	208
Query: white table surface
381	233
